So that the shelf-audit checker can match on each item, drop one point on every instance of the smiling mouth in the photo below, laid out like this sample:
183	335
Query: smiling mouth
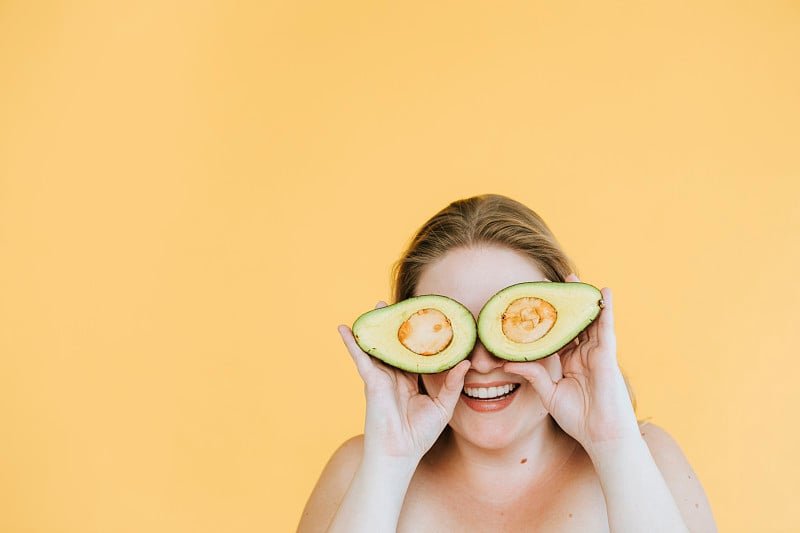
490	393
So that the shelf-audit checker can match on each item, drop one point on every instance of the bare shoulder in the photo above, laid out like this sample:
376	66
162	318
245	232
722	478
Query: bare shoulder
332	485
680	477
667	453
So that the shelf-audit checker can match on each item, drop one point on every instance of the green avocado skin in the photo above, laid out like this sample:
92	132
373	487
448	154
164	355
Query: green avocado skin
577	305
376	332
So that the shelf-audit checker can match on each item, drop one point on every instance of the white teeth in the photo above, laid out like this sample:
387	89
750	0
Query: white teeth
489	392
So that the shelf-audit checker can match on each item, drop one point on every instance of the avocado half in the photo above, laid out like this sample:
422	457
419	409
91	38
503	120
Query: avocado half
424	334
528	321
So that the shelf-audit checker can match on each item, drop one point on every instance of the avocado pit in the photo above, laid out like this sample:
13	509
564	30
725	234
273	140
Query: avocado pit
528	319
426	332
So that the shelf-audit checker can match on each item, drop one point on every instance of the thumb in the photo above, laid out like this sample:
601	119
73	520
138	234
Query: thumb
453	385
538	376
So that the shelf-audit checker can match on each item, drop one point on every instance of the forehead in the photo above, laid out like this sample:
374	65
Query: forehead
473	275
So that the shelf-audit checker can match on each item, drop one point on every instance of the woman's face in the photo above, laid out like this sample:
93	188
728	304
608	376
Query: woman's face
471	276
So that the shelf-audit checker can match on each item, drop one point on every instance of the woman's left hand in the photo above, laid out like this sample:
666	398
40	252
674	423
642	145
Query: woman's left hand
591	401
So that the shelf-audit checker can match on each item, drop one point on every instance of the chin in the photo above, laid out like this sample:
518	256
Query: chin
497	433
491	439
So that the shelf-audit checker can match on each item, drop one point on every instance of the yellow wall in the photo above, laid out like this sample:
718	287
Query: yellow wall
193	195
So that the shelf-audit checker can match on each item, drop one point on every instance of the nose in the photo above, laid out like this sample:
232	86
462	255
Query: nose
482	359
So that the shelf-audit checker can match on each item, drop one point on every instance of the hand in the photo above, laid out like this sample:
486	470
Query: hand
400	421
590	402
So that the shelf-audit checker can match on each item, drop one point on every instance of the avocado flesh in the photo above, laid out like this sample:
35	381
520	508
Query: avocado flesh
532	320
424	334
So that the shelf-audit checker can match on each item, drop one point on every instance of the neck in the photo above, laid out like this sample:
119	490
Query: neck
530	460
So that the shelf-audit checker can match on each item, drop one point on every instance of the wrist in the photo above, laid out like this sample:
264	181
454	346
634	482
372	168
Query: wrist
391	464
395	450
615	428
614	453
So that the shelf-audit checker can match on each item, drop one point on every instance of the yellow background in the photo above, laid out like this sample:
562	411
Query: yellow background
194	194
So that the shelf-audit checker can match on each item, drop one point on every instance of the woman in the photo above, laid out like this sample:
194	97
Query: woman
561	451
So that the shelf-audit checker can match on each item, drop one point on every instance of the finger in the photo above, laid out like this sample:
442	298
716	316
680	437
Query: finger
572	277
605	323
453	385
363	362
537	375
380	304
592	331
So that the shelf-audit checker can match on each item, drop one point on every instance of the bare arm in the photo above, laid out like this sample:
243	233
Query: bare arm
331	486
683	483
355	493
637	497
648	483
591	403
365	482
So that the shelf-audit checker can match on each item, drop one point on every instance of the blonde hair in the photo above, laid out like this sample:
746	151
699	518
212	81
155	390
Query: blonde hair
486	219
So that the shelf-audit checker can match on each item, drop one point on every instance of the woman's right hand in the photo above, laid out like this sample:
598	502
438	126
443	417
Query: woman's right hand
401	422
